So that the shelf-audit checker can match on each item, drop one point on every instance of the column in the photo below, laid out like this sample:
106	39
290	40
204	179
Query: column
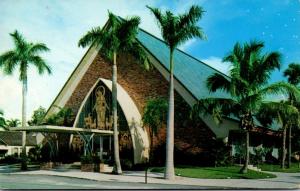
101	147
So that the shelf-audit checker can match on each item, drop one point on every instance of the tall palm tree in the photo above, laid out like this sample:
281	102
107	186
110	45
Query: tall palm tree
120	37
175	30
247	87
285	114
23	55
293	75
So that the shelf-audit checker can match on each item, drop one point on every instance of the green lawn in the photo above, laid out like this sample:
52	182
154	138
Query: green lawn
277	168
215	172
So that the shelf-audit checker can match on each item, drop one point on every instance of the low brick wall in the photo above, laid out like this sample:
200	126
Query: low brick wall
46	165
87	167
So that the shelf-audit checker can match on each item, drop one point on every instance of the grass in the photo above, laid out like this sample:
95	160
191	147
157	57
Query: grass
215	172
276	168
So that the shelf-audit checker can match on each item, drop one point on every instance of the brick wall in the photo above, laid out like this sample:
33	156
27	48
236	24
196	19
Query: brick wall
141	85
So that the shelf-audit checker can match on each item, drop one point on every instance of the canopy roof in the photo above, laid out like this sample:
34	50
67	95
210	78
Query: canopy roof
61	129
13	138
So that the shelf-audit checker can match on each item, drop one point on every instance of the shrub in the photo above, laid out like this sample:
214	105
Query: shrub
97	160
259	154
221	153
88	159
10	159
126	164
34	154
239	155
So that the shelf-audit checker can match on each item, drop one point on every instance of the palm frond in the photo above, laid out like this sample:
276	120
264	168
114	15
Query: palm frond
280	88
293	73
251	54
235	56
113	21
127	32
176	29
19	40
8	61
186	25
138	52
2	120
218	81
282	112
253	46
189	32
263	67
158	15
191	17
217	107
40	65
92	36
38	48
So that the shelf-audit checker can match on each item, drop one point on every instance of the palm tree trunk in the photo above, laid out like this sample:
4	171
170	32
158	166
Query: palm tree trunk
169	172
151	146
117	166
283	148
290	147
245	167
24	95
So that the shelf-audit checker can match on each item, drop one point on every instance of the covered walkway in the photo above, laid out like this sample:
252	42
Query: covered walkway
50	134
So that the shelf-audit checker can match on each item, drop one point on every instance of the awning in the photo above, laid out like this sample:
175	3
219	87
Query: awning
61	129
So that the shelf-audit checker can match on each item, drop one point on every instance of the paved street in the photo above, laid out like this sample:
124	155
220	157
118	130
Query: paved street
136	180
72	178
13	181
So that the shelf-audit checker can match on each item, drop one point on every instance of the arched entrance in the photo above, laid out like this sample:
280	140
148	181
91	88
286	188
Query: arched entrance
95	113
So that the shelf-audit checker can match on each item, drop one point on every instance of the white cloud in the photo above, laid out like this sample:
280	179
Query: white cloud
59	24
217	63
187	44
10	96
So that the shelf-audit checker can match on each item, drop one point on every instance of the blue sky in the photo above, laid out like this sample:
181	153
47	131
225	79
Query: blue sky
60	24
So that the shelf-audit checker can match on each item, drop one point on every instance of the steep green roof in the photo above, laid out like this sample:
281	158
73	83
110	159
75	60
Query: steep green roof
189	71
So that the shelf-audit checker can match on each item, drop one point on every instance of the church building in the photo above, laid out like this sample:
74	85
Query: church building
88	93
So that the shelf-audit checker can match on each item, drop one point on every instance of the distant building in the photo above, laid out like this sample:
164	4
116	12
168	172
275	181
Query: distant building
11	142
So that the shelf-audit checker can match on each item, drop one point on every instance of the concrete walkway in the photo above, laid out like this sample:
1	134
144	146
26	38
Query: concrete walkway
283	180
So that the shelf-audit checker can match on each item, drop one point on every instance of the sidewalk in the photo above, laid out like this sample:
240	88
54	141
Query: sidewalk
283	180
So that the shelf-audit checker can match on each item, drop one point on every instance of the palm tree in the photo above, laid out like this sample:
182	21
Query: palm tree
293	75
247	87
2	120
175	30
285	114
120	37
13	123
23	55
154	115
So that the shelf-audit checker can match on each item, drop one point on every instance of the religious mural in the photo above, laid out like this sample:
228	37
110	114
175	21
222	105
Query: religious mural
97	114
101	108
